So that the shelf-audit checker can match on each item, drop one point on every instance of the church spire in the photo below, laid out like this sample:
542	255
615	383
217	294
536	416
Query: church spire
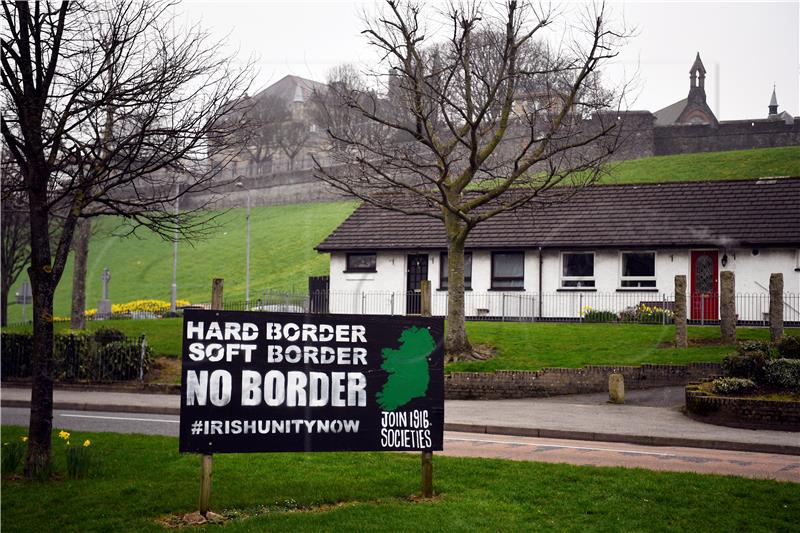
697	70
773	103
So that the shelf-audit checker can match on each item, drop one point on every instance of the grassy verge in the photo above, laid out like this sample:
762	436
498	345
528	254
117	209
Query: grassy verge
525	346
143	479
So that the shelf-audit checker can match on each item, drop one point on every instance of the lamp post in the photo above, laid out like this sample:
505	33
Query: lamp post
247	249
174	296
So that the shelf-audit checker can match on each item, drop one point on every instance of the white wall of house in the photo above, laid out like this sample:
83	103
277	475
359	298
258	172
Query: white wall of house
383	291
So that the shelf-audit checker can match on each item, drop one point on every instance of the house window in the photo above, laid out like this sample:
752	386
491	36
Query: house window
638	269
361	263
443	270
577	270
508	271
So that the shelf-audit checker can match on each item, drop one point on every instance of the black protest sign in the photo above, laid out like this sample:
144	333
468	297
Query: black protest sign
272	382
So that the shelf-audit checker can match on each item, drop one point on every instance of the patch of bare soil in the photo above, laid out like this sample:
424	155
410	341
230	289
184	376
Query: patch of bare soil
693	342
164	370
288	506
480	352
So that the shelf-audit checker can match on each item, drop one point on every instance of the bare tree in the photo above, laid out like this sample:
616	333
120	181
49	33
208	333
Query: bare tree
15	236
292	137
65	66
488	120
260	136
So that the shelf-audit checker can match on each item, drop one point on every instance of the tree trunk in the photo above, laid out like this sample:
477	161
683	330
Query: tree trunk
457	346
4	303
44	279
41	417
80	245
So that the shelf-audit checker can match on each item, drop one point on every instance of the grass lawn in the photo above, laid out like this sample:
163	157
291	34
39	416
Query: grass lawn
142	479
738	164
524	346
282	257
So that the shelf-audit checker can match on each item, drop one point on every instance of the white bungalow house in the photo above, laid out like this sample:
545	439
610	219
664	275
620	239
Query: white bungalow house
610	247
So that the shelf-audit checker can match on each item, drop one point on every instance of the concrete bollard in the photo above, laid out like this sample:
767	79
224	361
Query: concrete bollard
616	388
681	340
775	306
727	307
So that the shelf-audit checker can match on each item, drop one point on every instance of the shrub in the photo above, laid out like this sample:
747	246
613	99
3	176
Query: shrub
783	374
753	348
732	385
750	366
108	335
594	315
77	356
788	347
646	314
15	356
116	361
654	314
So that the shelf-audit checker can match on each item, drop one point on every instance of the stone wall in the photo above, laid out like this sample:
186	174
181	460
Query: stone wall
742	412
295	187
732	135
557	381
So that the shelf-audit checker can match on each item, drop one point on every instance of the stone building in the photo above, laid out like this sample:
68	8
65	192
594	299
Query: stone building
693	109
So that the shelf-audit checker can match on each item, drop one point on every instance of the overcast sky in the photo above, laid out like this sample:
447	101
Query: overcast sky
746	46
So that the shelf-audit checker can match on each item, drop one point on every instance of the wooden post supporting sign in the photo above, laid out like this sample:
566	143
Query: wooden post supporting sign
427	457
208	459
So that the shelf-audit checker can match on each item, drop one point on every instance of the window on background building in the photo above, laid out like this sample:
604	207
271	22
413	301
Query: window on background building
638	269
577	270
508	270
443	270
361	262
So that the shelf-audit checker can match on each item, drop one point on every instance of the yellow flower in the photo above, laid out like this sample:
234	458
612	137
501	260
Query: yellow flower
24	438
64	435
87	443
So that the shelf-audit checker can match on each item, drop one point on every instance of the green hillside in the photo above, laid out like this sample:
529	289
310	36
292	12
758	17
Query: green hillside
282	257
739	164
283	237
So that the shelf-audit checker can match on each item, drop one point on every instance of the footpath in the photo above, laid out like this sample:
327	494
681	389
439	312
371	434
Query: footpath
650	417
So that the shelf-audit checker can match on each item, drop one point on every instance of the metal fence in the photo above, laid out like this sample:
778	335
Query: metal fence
78	358
567	306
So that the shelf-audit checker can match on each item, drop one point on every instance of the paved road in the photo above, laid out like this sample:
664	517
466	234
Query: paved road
747	464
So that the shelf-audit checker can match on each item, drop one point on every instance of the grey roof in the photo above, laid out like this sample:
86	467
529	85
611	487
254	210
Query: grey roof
691	214
291	89
774	99
669	114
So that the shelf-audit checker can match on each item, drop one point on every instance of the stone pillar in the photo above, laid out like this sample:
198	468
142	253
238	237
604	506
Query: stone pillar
616	388
727	307
681	340
775	306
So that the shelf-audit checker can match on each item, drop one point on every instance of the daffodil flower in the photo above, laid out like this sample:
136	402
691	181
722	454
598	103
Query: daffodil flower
87	443
24	438
64	435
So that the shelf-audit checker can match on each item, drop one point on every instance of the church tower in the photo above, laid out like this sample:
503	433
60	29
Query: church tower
697	81
773	103
696	110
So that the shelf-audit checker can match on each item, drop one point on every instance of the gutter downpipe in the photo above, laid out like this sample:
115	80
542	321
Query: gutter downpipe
540	282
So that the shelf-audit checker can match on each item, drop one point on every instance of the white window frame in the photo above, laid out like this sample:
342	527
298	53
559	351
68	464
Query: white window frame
579	279
653	278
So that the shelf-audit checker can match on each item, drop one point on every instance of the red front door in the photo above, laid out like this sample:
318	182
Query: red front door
705	280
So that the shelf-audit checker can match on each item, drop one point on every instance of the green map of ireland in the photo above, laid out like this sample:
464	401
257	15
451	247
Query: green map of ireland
407	367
